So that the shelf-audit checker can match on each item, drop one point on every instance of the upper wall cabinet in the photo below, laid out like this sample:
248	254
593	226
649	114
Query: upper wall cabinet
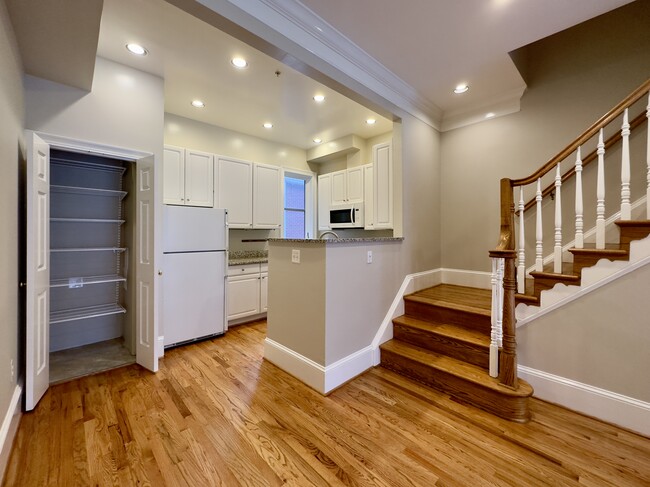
235	191
267	196
188	177
382	156
347	186
369	197
324	201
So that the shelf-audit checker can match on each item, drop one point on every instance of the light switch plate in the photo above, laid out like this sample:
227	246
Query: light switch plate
295	256
369	260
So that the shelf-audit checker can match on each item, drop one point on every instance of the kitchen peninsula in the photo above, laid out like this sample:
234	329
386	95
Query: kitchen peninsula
326	302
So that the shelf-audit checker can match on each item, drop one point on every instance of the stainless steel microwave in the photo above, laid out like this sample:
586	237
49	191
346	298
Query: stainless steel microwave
347	216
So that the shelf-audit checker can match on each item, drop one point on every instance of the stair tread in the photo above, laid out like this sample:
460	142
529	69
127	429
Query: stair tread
610	249
527	299
446	329
564	276
456	297
633	223
458	368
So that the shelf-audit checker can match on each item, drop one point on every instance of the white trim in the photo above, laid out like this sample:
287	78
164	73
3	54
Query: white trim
9	428
505	105
76	145
410	284
301	367
347	368
161	346
602	404
462	277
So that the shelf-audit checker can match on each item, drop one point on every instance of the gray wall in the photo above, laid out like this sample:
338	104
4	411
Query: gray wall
573	78
11	153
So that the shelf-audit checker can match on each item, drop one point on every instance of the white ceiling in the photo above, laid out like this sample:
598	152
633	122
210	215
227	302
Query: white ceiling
434	45
194	60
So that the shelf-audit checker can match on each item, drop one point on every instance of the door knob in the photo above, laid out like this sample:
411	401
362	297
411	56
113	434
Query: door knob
160	273
23	284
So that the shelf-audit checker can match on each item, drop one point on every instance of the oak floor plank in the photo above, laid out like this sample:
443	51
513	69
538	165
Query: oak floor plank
217	414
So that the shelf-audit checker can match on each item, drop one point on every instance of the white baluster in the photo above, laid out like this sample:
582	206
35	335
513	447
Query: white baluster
521	268
494	346
557	250
626	208
500	295
600	194
647	154
539	258
579	240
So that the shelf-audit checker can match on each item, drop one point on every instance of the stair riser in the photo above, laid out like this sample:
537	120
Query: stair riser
468	352
629	234
507	407
438	314
544	283
582	261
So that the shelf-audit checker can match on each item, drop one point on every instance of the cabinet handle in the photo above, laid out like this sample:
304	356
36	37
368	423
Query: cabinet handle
160	273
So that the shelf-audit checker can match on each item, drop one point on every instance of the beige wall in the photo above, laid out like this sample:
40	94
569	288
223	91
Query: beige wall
573	78
601	339
12	151
191	134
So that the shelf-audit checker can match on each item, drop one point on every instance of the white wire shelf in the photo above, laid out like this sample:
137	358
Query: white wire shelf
87	312
91	249
76	282
87	191
86	220
95	166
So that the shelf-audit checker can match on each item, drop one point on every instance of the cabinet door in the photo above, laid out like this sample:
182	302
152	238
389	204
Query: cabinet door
173	175
235	191
383	185
199	179
339	188
324	200
267	196
264	292
368	197
243	296
355	184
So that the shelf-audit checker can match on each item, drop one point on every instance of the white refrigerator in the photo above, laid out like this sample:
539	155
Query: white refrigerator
195	244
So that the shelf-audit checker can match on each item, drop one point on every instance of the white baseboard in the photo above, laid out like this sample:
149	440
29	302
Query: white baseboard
9	428
602	404
160	344
323	379
461	277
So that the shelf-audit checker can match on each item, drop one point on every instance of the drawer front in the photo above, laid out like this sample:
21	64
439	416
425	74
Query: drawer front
244	269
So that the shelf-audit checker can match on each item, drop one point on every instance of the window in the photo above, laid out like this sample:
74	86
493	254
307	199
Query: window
299	204
294	207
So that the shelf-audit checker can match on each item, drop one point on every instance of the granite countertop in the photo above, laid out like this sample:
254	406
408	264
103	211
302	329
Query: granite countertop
337	240
242	257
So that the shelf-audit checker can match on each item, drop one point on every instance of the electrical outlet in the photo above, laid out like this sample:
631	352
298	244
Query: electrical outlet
295	256
369	259
13	369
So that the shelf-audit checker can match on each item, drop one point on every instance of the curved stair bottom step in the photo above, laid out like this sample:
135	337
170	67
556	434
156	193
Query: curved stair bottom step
485	394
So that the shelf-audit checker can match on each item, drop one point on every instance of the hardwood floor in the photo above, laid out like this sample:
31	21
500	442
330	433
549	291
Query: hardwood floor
217	414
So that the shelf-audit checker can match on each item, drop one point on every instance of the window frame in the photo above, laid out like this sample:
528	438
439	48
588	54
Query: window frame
310	199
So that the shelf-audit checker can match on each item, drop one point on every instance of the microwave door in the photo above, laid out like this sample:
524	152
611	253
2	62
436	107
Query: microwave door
352	215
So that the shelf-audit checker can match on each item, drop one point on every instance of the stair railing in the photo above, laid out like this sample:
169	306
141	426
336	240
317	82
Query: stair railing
509	258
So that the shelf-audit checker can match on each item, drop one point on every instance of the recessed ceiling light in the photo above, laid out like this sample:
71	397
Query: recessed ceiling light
371	121
319	98
239	62
490	115
198	104
318	141
461	89
268	125
136	49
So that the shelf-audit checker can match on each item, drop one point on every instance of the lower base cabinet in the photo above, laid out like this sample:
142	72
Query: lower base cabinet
247	290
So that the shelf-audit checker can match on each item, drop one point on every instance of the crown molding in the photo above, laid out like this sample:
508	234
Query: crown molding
297	30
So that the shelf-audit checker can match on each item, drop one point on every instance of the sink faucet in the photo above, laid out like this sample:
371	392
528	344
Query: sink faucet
329	232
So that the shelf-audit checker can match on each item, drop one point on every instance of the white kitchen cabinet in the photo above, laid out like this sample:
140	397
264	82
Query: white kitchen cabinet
347	186
383	186
187	177
247	290
267	196
235	191
369	197
324	201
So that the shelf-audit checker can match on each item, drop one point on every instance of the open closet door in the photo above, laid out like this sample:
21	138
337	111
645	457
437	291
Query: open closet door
37	334
146	321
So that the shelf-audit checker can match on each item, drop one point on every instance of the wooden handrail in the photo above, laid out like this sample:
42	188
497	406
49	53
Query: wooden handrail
638	120
586	135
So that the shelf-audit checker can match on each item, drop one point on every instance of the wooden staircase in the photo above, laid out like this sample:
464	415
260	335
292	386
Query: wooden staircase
586	257
443	341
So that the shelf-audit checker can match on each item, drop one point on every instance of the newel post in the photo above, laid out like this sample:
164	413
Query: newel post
506	251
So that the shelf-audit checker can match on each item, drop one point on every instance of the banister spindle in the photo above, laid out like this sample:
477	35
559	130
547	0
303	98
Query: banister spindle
496	335
647	154
539	258
579	239
600	194
557	249
521	267
626	208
